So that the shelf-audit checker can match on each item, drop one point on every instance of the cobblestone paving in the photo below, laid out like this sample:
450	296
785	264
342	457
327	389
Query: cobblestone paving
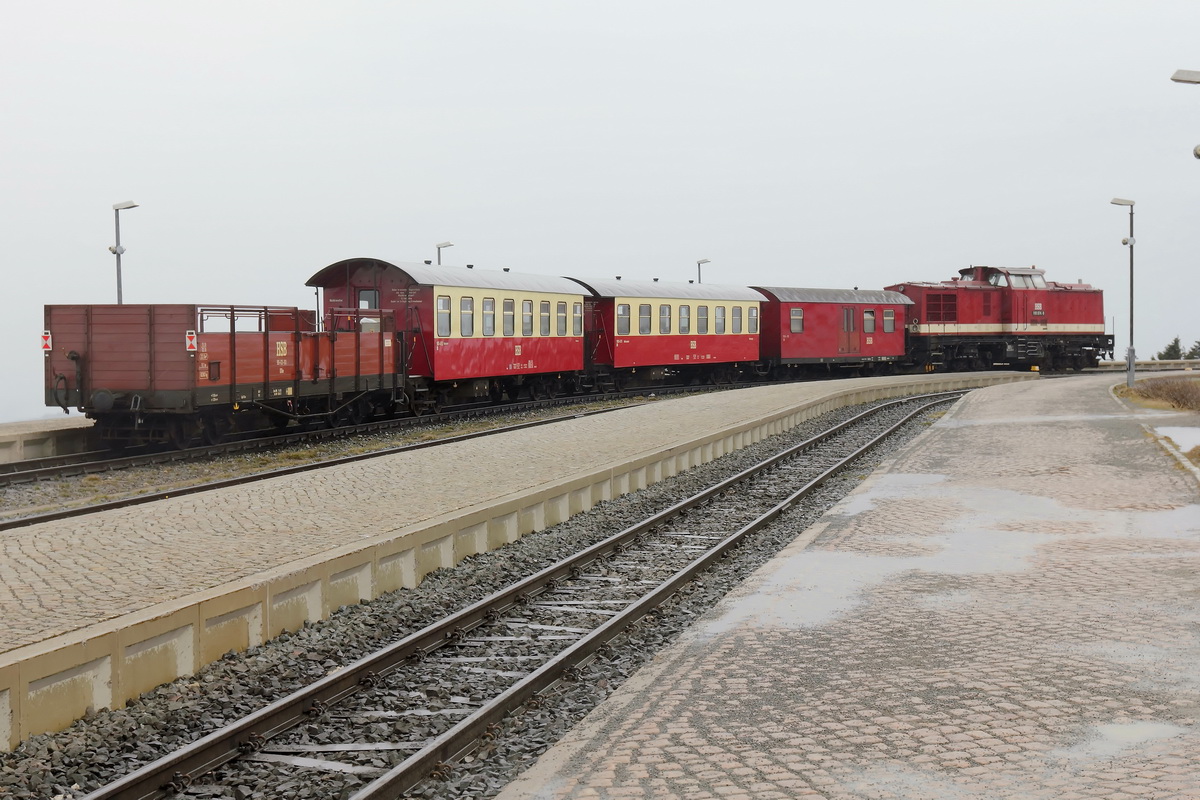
1009	611
60	576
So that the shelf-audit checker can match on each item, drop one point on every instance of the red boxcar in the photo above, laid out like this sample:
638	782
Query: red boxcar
464	333
844	327
1006	316
642	331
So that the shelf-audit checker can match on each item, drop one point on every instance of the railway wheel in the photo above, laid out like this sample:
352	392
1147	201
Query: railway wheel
179	433
215	428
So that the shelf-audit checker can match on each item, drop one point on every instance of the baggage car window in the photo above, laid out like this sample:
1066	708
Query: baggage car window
752	321
623	319
443	315
868	322
664	319
719	319
368	298
577	319
527	318
685	319
797	320
510	317
561	318
889	321
644	318
489	316
466	316
544	313
701	320
737	319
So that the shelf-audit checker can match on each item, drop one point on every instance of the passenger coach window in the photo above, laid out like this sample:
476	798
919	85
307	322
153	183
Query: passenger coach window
737	319
644	318
510	314
797	320
544	313
685	319
701	320
868	322
753	319
443	315
664	319
527	318
489	316
466	316
719	319
561	315
577	319
623	319
889	321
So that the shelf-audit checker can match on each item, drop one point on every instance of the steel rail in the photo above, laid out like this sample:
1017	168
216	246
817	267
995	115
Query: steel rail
176	771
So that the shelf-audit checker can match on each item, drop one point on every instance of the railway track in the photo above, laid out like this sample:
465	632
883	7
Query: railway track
108	465
101	461
385	723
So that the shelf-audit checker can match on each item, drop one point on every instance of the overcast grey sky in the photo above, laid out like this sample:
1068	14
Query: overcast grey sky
792	143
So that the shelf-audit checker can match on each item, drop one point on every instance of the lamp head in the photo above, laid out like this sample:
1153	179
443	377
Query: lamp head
124	205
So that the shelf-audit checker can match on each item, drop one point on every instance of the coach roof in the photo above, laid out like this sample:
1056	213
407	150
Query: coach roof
608	287
789	294
430	275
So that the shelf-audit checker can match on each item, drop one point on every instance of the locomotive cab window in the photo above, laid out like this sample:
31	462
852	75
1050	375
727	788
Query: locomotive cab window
466	316
889	321
443	315
644	321
701	320
797	320
510	313
527	318
868	321
489	316
664	319
685	319
623	319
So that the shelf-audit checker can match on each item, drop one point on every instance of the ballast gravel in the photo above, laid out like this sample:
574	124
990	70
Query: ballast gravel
110	743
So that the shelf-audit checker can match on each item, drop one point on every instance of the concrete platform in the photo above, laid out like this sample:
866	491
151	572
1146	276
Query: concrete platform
44	437
99	609
1008	609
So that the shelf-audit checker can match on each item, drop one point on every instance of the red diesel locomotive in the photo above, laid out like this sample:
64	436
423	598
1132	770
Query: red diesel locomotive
412	337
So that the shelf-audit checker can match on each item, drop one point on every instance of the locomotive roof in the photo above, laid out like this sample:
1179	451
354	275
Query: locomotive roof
427	274
609	287
789	294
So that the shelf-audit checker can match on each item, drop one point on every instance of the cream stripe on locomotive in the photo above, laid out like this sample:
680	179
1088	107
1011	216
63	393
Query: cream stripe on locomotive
499	313
952	327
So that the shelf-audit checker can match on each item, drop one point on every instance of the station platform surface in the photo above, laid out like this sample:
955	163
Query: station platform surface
1009	608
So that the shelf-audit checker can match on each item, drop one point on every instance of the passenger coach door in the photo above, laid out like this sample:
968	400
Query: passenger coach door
848	334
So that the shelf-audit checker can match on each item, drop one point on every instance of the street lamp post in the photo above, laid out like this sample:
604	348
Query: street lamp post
1188	76
1129	359
698	263
116	249
439	248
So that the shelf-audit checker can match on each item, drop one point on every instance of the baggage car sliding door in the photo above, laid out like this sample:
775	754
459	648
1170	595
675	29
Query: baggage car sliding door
848	335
